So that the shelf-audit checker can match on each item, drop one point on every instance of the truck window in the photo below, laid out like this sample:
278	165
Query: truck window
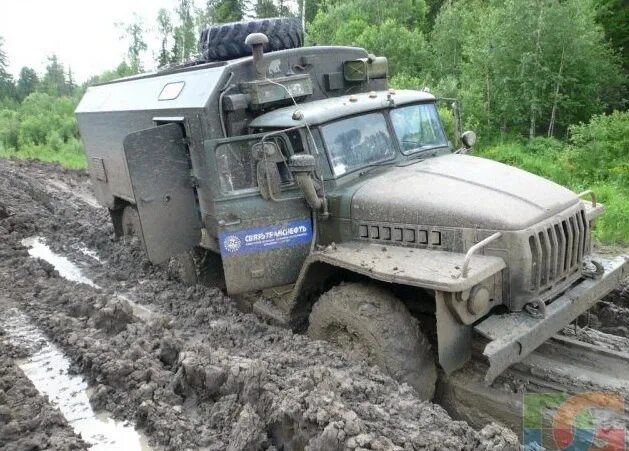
418	127
357	142
237	167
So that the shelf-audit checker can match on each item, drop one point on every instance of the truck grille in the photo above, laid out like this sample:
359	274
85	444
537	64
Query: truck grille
557	251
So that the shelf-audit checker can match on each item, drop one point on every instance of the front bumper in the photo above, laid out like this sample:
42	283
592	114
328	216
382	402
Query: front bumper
515	335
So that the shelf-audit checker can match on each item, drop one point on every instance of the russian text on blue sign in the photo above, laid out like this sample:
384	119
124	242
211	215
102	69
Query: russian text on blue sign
262	239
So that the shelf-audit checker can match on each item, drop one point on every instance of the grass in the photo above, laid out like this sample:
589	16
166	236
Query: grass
67	156
562	164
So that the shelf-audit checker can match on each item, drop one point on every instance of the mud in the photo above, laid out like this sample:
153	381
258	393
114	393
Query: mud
197	372
27	420
47	368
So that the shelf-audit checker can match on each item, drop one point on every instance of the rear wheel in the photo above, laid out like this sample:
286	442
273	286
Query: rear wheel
131	222
370	323
184	267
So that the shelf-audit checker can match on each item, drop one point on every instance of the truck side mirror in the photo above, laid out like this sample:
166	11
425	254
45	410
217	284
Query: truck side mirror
468	139
267	154
302	163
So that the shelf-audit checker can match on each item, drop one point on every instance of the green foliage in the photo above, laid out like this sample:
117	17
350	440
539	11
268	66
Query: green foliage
528	67
447	119
453	27
266	8
27	83
229	11
7	88
394	32
54	81
535	66
70	155
9	129
164	29
43	127
600	148
123	70
328	25
596	157
614	16
185	38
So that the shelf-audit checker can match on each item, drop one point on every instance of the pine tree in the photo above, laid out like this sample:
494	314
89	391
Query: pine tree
54	81
26	83
71	86
7	88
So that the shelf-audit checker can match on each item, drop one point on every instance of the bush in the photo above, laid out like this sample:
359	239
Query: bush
43	127
9	129
600	148
596	157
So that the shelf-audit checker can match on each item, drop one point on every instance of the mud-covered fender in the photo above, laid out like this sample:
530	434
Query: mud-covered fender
435	270
426	268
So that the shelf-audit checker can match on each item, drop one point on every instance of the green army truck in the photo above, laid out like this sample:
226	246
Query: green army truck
339	205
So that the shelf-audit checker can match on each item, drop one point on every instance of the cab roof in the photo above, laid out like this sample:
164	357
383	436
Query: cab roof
322	111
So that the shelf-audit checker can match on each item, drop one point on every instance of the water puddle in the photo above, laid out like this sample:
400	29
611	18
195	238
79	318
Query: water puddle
48	369
90	253
38	248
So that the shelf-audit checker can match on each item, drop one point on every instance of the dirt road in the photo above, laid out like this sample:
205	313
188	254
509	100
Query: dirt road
183	364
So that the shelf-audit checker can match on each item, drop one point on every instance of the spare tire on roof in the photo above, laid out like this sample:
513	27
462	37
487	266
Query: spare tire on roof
227	41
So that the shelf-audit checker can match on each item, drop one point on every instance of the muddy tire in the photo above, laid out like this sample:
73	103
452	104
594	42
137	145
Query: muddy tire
227	41
370	323
183	267
131	222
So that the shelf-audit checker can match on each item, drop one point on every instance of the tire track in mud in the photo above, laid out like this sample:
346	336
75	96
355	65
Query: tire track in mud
48	370
202	373
27	419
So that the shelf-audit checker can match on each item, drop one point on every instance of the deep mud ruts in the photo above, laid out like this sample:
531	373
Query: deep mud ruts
27	421
193	372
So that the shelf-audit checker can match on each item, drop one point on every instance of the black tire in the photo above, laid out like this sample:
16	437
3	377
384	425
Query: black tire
183	267
131	222
227	41
369	322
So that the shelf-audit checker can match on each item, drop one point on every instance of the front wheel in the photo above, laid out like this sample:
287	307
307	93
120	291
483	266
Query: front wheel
370	323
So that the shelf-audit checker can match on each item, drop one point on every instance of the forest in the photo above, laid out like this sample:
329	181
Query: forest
542	82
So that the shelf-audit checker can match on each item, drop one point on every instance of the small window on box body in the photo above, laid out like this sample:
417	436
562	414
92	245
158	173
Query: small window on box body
171	91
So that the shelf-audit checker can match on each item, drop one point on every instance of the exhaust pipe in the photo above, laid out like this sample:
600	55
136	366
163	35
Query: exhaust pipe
257	41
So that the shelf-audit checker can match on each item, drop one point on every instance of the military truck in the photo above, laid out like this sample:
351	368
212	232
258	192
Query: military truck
340	204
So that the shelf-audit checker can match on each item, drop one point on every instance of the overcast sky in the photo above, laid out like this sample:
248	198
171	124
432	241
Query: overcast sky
81	33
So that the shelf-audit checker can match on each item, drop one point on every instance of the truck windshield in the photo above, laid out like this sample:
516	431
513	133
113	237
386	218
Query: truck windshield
418	127
357	142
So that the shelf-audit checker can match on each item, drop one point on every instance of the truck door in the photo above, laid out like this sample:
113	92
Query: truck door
159	168
263	242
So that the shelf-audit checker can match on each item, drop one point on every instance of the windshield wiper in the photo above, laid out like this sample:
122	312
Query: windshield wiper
373	166
424	153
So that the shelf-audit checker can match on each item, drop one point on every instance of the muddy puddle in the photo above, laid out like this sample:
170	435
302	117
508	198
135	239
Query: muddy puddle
49	370
37	248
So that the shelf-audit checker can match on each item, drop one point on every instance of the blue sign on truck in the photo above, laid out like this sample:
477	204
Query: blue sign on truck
262	239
